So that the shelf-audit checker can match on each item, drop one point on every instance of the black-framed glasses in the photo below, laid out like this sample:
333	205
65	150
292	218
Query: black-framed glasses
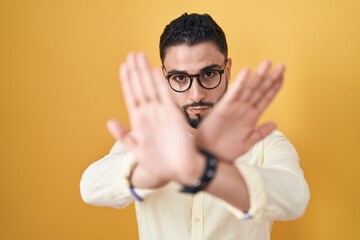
209	79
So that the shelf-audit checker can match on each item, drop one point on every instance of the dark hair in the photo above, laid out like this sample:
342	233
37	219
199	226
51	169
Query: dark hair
192	29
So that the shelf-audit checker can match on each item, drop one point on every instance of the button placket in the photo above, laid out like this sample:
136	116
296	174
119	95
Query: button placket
197	225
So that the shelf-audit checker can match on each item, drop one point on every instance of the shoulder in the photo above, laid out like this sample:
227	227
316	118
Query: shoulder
118	148
277	141
276	134
277	149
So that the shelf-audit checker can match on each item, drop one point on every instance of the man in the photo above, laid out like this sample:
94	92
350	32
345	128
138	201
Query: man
209	178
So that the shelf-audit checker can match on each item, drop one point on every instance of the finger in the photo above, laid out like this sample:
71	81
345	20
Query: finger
259	134
136	84
237	87
267	85
147	77
263	68
232	99
256	80
269	96
120	133
127	91
162	89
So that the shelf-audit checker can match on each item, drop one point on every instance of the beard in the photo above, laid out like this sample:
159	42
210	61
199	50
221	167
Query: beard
194	122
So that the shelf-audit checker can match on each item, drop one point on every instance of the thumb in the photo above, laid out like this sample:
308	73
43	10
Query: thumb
120	133
260	133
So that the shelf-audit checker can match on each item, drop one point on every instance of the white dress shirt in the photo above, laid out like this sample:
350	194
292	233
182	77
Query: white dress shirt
271	170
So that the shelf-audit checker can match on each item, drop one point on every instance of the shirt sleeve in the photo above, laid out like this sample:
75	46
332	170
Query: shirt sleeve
277	188
106	181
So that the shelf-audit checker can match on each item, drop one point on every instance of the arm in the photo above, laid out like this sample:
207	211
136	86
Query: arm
106	181
276	190
159	140
230	186
285	187
233	125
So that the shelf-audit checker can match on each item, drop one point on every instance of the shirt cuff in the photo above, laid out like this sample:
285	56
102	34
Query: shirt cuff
143	193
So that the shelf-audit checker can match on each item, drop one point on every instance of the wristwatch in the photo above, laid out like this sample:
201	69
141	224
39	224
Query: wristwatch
209	173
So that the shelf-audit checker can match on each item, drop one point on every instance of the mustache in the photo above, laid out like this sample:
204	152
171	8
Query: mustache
198	104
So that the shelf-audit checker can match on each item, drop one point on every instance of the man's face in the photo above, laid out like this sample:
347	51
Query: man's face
197	102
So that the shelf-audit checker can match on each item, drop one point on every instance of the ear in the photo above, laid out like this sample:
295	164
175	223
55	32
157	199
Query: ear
228	70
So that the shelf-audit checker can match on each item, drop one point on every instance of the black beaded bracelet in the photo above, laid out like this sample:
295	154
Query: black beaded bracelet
209	173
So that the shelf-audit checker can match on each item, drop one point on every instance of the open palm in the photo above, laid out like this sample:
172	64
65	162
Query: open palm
230	130
158	136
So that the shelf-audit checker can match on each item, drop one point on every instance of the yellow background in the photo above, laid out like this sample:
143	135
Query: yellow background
59	85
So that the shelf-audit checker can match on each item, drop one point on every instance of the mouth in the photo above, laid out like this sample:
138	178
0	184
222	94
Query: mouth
198	110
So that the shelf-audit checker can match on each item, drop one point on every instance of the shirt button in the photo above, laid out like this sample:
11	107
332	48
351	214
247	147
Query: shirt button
196	220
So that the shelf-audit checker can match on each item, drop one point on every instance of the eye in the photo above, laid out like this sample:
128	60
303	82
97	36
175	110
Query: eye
179	78
209	74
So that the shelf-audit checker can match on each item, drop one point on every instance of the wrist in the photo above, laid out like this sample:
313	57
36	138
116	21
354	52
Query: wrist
204	142
186	176
141	178
208	174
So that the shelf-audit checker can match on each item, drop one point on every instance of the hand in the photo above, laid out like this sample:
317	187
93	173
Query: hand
159	139
230	130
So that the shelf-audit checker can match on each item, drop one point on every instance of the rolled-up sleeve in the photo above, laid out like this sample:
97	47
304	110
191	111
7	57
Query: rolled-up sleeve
106	181
277	188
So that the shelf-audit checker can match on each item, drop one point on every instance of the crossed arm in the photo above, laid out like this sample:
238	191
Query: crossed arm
161	145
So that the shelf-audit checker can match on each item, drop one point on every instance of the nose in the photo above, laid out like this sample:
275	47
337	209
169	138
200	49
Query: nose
197	93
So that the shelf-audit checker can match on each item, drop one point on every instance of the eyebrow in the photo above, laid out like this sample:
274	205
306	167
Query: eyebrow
210	67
